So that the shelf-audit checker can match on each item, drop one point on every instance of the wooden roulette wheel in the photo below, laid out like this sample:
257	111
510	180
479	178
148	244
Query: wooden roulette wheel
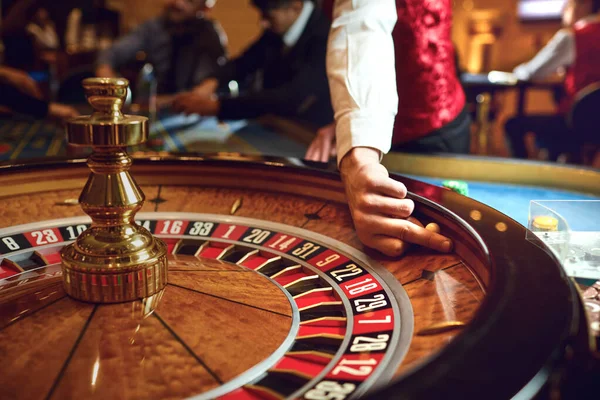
270	295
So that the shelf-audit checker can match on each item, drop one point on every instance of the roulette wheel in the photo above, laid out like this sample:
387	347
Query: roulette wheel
269	293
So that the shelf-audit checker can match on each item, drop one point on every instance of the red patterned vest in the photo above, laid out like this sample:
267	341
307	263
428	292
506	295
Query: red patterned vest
429	91
586	68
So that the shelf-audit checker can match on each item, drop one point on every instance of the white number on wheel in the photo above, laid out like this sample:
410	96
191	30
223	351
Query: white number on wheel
229	232
76	231
306	250
329	390
10	243
44	237
144	224
355	367
172	228
350	270
376	302
282	243
386	320
362	286
257	236
365	343
328	260
201	228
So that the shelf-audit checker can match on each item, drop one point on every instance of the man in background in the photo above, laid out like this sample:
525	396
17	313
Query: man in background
182	45
576	47
282	73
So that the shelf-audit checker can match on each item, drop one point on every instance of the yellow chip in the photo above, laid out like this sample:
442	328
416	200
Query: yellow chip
545	223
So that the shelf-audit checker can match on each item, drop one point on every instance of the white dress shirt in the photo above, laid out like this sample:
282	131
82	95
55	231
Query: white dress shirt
362	74
558	53
290	38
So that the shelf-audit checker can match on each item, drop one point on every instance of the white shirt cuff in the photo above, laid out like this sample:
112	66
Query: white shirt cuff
355	130
521	72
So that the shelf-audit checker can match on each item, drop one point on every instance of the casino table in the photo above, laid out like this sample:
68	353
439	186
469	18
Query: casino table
23	138
507	185
270	294
500	81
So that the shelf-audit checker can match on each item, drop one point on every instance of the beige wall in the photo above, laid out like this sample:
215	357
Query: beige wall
240	21
238	18
516	41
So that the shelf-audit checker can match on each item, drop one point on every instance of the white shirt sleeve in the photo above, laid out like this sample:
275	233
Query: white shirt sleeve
559	52
362	75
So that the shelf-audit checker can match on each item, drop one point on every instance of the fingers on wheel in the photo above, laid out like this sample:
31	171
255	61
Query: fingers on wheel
389	206
391	246
410	232
388	245
387	186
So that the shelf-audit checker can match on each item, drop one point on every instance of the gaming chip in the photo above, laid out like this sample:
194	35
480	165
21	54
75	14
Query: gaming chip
460	187
545	223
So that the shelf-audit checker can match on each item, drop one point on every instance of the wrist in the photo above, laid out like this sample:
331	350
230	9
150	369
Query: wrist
357	158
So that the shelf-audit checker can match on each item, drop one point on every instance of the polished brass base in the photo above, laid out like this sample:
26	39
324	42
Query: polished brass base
130	269
115	260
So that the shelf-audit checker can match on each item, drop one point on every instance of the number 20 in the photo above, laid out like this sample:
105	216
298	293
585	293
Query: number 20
257	236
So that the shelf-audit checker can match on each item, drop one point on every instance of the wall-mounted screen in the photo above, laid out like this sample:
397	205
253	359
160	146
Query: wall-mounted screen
540	10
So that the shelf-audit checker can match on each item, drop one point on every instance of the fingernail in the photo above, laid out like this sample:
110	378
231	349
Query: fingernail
446	245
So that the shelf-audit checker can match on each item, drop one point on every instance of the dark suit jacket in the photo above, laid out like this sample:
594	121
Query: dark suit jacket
294	81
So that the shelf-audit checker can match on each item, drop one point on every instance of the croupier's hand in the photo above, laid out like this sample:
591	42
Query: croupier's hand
379	208
192	103
207	88
61	112
323	145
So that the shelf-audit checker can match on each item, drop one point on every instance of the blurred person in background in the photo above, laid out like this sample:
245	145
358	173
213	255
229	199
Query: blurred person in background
281	73
576	48
183	46
42	29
